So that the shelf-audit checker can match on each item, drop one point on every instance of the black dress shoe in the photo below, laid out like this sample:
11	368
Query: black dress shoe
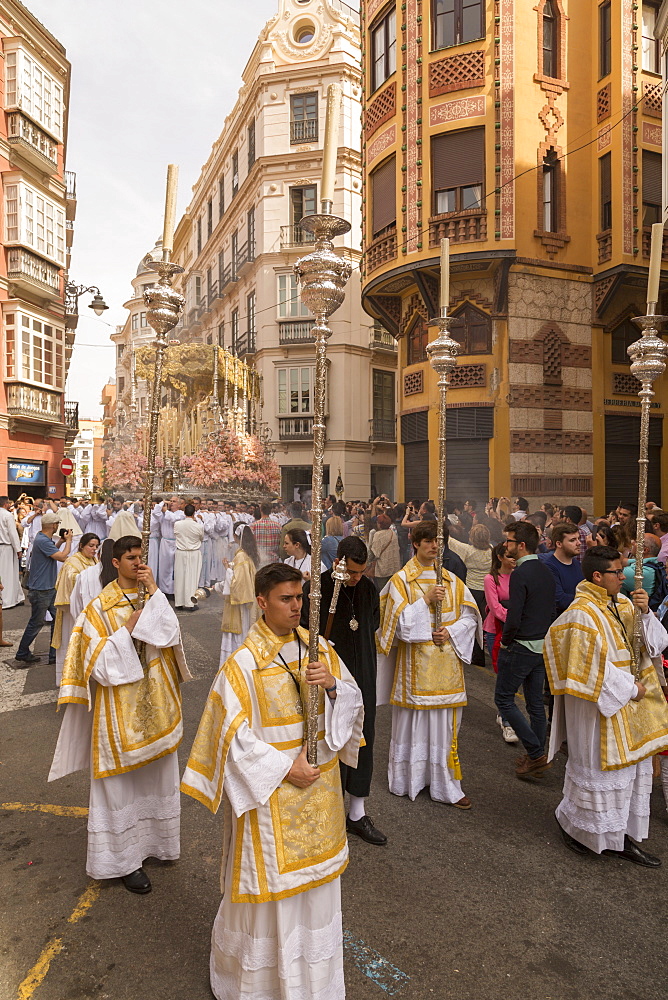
52	660
571	843
137	881
28	660
633	853
365	829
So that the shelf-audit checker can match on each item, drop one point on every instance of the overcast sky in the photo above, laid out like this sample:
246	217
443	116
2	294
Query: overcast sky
152	82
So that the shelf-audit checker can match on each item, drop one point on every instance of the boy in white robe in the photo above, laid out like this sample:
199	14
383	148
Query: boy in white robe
188	535
123	720
284	845
428	690
611	711
168	515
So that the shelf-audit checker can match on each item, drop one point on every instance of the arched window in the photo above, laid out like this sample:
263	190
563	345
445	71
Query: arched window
473	330
550	35
417	341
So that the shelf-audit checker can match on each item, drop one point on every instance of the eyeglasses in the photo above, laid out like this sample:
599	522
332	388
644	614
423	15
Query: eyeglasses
618	572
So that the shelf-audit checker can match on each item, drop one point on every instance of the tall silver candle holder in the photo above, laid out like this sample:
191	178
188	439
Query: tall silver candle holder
648	362
442	354
322	275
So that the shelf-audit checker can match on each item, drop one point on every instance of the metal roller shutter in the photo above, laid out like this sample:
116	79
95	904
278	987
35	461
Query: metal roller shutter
467	470
457	158
416	471
384	197
622	445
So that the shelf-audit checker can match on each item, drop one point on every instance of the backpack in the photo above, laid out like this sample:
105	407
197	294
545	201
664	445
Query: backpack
660	591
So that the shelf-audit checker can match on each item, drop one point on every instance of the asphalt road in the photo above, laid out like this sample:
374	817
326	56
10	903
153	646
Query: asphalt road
485	904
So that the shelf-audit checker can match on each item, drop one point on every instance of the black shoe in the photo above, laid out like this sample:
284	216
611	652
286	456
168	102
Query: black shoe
633	853
28	660
571	843
137	882
52	660
178	607
365	829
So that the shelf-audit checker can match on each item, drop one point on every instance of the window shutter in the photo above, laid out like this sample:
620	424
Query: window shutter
606	183
383	187
651	177
458	158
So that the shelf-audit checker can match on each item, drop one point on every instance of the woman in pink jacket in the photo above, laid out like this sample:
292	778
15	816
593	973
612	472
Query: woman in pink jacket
497	594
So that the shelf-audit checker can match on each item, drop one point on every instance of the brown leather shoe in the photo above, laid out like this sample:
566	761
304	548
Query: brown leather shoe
463	803
530	767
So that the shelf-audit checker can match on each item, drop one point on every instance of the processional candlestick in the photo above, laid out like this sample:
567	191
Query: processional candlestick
442	354
164	308
323	275
648	362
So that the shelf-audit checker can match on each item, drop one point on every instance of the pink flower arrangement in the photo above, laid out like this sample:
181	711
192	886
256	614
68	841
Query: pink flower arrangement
228	460
125	468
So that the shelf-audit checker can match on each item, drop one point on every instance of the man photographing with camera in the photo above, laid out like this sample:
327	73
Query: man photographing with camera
46	554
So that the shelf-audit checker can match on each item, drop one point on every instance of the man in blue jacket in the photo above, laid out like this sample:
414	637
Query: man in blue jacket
564	562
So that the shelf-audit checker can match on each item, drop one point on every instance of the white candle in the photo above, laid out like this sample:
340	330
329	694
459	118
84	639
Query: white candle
655	265
170	208
445	273
331	146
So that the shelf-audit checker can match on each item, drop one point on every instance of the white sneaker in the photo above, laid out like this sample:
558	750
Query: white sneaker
509	734
499	721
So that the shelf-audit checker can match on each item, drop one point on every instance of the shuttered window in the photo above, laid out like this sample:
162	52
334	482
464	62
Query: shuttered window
622	337
472	329
416	342
458	170
605	167
416	472
622	446
414	427
471	422
467	470
384	198
604	38
651	187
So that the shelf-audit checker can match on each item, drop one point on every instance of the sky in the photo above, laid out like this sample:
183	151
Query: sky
152	82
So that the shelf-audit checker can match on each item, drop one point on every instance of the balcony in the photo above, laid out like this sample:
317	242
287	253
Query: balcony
295	236
244	344
295	428
647	241
382	250
245	257
459	227
69	233
381	340
33	406
70	195
604	241
296	332
384	429
304	131
28	272
228	277
31	142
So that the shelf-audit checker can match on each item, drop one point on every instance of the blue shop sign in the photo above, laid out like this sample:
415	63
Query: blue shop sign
26	473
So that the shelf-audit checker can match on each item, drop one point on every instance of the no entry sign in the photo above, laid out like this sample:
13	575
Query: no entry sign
66	467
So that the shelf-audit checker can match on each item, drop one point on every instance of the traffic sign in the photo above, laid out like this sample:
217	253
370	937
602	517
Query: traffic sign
67	467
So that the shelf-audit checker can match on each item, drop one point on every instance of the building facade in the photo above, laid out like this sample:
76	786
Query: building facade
530	135
86	454
240	238
39	203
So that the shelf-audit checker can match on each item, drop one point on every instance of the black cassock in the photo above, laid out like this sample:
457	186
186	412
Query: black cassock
357	649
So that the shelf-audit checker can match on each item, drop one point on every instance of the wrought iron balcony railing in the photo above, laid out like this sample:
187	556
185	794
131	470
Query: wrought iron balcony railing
33	403
304	131
384	429
32	140
295	428
24	266
295	332
295	236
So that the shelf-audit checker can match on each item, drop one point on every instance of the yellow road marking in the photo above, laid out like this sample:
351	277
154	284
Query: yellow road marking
39	970
39	807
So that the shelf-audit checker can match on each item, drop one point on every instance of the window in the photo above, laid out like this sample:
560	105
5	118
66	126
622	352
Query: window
142	320
209	217
84	484
119	352
30	87
550	39
135	321
85	454
250	233
650	44
651	187
473	330
221	270
221	335
221	198
235	172
302	203
198	289
198	236
289	302
250	316
121	384
209	285
295	390
458	169
251	144
622	337
35	221
235	328
383	405
604	39
456	21
417	342
235	253
384	198
303	118
605	167
35	350
384	49
551	192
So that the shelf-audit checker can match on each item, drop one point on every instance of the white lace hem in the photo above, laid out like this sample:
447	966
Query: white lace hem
113	857
594	779
225	986
302	942
149	807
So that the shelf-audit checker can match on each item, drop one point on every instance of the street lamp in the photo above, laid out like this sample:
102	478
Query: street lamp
72	293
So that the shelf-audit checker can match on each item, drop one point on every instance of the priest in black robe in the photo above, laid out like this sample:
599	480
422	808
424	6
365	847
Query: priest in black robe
353	636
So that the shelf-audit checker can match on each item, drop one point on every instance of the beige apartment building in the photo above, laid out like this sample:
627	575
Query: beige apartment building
240	238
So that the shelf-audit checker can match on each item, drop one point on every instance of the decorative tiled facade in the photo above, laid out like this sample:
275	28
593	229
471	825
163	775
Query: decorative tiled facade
459	72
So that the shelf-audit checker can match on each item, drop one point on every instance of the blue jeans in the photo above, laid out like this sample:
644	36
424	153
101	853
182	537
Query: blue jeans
41	601
520	668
